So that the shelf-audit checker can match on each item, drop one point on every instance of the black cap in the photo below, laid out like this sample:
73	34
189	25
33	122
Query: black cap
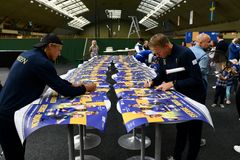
49	38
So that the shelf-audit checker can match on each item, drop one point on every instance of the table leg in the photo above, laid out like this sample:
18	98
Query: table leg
158	137
70	142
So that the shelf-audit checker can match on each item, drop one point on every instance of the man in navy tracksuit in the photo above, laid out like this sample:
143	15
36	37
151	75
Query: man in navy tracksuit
29	75
189	82
142	56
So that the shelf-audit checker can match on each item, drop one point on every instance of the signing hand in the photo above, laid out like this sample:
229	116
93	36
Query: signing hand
165	86
147	84
90	87
77	84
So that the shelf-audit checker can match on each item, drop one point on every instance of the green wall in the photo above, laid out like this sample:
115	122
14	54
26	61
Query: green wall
73	48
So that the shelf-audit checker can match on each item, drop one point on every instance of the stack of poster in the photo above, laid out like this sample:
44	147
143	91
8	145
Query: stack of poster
89	109
139	105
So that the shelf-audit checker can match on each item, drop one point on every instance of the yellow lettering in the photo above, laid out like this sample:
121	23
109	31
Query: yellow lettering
43	108
36	120
190	113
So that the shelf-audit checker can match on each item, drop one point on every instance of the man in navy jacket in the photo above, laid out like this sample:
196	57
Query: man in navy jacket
189	82
29	75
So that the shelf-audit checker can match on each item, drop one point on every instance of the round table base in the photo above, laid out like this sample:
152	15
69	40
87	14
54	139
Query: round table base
139	158
87	157
128	141
90	141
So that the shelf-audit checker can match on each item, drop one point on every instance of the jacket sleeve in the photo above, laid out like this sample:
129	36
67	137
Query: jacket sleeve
48	74
192	68
160	76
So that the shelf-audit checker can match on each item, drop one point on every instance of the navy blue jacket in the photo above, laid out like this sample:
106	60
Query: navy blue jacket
142	56
26	81
188	82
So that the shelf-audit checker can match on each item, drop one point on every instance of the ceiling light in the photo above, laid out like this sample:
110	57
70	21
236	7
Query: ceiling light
113	14
78	23
68	8
31	1
149	24
155	8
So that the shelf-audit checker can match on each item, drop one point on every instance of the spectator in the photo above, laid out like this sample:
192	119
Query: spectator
202	43
94	49
234	49
221	84
142	56
139	46
145	45
220	57
237	147
211	55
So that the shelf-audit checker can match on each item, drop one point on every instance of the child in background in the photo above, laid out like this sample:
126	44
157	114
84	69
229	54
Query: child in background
232	74
221	84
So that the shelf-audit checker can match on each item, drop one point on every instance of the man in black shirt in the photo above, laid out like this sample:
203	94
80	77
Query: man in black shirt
29	75
189	82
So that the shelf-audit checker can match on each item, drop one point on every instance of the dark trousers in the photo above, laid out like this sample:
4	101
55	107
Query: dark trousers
220	92
238	100
10	141
188	132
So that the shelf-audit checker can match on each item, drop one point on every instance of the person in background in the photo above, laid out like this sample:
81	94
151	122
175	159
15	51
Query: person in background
202	43
139	46
220	57
27	78
184	44
221	84
189	82
193	43
232	73
234	49
94	49
237	147
236	67
145	45
143	56
211	54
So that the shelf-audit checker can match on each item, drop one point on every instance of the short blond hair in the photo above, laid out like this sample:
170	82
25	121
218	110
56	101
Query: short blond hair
158	40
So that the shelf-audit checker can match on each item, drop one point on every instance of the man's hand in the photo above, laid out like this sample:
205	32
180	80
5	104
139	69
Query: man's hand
165	86
147	84
90	87
80	83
